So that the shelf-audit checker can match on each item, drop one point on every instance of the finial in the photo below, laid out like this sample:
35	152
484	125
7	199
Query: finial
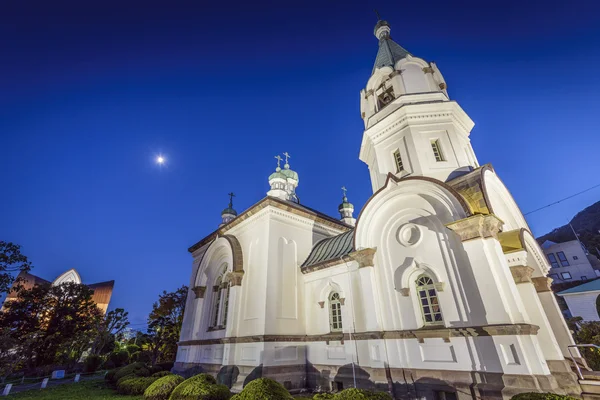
377	13
287	164
231	196
278	157
344	190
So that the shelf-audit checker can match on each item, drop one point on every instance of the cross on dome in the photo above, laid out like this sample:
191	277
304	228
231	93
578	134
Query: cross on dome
287	156
231	196
278	158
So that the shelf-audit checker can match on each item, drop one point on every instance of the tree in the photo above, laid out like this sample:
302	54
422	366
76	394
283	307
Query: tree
589	333
11	261
57	322
164	325
109	329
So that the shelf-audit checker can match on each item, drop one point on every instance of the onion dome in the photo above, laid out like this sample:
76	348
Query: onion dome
229	213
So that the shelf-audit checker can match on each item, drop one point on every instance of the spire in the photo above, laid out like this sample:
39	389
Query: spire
346	209
389	51
229	213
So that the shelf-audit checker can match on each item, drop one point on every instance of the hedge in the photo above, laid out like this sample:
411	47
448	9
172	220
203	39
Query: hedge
541	396
361	394
162	388
160	374
264	389
135	386
200	387
138	369
323	396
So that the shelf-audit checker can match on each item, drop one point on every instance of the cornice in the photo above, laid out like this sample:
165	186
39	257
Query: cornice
419	334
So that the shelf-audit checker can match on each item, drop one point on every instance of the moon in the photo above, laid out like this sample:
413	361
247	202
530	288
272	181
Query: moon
160	160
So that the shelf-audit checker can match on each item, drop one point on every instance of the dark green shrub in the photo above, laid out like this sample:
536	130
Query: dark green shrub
92	363
162	388
160	374
126	377
200	387
323	396
110	375
135	386
541	396
108	364
119	358
361	394
264	389
138	369
155	369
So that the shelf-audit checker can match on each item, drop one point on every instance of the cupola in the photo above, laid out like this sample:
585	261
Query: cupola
346	210
229	213
283	182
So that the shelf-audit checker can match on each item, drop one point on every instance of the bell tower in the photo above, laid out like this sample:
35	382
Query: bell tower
411	125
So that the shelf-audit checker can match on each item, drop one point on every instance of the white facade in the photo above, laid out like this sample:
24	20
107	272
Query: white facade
439	280
568	261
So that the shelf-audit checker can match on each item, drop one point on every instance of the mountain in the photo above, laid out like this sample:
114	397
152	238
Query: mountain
587	225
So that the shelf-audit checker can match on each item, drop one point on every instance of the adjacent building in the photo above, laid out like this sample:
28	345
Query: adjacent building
569	261
102	290
583	300
437	289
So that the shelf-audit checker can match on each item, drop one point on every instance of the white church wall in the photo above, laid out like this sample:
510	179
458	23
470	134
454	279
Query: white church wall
502	203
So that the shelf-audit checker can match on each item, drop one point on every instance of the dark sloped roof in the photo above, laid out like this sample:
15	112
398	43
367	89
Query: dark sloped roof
389	53
331	248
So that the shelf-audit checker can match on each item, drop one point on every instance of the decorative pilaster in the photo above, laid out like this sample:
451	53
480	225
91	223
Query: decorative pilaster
199	291
477	226
521	273
542	284
235	278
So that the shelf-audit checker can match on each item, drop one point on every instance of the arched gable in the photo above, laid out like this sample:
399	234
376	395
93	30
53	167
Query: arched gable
535	256
69	276
501	203
224	249
437	197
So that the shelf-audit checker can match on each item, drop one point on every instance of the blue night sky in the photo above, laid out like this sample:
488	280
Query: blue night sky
89	95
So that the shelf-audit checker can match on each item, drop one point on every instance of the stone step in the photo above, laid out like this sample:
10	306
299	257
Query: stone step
589	386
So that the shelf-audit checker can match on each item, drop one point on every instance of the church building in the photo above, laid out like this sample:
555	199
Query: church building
436	289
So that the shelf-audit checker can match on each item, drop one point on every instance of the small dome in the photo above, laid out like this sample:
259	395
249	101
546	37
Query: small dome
229	210
345	205
288	173
380	24
277	175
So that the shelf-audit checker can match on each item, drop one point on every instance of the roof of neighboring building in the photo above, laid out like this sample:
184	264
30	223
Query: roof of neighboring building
586	287
331	248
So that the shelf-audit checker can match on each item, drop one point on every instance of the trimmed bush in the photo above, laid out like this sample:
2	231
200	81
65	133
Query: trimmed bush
264	389
323	396
125	378
92	363
138	369
119	358
361	394
200	387
133	348
135	386
162	388
541	396
160	374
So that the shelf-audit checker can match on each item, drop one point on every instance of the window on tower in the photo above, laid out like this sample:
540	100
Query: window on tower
398	161
437	150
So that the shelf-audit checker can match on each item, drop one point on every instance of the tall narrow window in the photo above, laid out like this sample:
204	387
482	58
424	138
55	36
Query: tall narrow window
562	258
552	260
398	161
437	150
220	302
216	302
335	312
428	299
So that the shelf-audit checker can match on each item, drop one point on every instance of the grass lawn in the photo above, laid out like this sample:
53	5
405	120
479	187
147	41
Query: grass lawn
90	390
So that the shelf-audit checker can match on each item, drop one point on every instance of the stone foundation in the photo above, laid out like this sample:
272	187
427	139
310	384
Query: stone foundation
401	383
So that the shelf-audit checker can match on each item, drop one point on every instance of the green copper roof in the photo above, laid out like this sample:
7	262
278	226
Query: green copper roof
290	173
229	210
330	248
277	174
388	54
586	287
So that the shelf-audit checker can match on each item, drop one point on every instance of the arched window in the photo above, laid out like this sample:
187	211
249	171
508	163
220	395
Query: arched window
428	300
220	302
335	312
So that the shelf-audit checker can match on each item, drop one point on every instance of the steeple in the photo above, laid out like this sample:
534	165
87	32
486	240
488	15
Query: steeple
229	213
283	182
411	126
346	209
389	51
